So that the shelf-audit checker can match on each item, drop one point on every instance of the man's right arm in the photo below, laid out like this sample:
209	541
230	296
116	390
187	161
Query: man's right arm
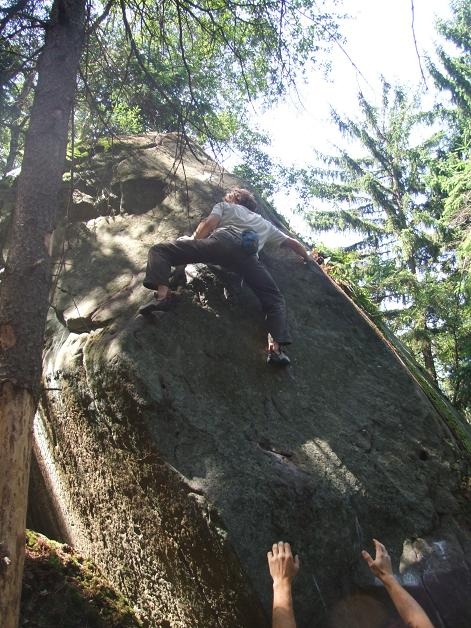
412	614
206	226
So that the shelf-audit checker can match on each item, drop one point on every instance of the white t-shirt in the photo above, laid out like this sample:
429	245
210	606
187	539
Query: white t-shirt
240	218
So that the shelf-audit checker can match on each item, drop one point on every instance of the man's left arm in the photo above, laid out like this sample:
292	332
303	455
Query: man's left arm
297	247
206	227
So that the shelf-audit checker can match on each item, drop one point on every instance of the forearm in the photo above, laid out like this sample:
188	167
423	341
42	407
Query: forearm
202	230
283	613
207	226
297	247
412	614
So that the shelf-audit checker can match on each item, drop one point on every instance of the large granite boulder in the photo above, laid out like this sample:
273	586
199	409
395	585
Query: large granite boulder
168	452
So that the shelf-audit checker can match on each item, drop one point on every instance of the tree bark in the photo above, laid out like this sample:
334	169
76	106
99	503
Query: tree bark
24	295
16	409
18	123
427	357
426	348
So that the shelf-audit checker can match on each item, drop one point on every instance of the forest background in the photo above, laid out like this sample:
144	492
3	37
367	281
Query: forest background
74	73
397	183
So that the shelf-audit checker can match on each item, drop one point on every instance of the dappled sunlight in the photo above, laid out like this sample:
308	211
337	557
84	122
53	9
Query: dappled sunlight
320	453
86	306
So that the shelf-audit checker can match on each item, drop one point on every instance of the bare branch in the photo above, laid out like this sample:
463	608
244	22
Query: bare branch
415	43
101	18
334	38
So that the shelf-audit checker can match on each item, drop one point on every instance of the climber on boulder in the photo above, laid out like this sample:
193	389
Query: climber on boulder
231	236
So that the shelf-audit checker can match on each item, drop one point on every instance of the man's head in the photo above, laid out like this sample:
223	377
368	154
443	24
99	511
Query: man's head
240	196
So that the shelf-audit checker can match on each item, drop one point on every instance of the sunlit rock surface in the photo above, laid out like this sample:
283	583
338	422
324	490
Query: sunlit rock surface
171	454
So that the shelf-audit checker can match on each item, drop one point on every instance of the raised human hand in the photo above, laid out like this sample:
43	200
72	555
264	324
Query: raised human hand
381	565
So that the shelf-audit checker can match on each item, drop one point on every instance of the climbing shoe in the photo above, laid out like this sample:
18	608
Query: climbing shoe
278	358
159	305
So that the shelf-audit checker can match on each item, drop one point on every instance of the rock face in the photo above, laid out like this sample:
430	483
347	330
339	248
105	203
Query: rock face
169	453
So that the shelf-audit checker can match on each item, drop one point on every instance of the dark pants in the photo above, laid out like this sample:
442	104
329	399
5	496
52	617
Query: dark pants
222	248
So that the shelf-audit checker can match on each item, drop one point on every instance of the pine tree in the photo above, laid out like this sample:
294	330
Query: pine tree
388	196
453	73
452	177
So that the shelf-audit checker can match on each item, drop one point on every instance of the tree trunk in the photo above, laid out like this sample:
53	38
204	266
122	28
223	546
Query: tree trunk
24	297
426	348
19	122
16	409
427	357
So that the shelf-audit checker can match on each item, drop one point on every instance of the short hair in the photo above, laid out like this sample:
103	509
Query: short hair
241	196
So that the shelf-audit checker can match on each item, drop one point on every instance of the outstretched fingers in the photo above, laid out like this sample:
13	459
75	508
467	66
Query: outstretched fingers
379	547
381	565
366	556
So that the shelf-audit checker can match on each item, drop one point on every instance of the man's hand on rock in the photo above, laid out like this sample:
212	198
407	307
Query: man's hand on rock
283	567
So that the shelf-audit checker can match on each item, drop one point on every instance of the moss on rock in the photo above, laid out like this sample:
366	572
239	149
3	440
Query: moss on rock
60	588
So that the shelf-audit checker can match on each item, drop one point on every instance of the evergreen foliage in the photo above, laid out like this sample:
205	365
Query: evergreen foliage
189	67
386	189
453	173
453	73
